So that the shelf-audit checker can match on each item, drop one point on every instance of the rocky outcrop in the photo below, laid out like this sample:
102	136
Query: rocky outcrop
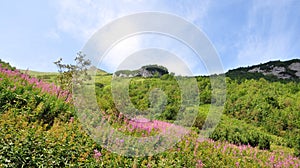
282	70
272	71
145	71
276	71
295	67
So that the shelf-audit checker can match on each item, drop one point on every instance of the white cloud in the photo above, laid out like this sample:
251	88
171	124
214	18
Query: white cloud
268	34
182	60
82	18
119	53
155	56
52	34
192	10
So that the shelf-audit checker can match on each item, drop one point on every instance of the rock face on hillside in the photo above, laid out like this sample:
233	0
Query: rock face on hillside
145	71
296	67
276	71
281	70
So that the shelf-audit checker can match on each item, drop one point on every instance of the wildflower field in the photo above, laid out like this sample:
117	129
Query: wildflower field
39	126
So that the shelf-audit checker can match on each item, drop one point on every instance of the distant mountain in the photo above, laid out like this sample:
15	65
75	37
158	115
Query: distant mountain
145	71
98	71
273	71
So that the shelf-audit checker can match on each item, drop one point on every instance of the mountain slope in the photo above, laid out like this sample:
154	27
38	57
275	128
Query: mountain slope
145	71
37	127
272	71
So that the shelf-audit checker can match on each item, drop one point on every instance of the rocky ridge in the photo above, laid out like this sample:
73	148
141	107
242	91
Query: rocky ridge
145	71
272	70
280	71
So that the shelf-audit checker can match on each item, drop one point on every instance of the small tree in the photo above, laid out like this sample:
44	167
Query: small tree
67	72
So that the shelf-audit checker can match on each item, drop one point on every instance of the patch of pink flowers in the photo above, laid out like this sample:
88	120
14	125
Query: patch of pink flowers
147	125
199	164
144	124
45	87
97	154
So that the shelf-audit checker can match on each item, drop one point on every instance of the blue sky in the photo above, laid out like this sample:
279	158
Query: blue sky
34	33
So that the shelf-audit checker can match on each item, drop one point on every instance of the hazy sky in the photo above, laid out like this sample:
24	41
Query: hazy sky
35	33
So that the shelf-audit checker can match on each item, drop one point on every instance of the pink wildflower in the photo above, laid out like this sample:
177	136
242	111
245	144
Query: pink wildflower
199	164
71	119
97	154
272	159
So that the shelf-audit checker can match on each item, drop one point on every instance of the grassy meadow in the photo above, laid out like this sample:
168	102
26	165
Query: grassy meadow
39	125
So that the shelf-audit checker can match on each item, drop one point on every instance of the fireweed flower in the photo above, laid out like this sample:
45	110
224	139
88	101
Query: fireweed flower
37	83
272	159
97	154
199	164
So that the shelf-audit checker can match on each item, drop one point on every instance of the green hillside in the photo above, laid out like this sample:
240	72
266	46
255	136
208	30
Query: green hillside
281	71
46	76
260	125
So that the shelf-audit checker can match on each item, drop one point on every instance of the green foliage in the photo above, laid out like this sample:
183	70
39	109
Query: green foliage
69	73
6	65
271	105
266	112
144	96
126	72
235	131
50	77
39	129
241	74
156	68
33	145
25	98
297	148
